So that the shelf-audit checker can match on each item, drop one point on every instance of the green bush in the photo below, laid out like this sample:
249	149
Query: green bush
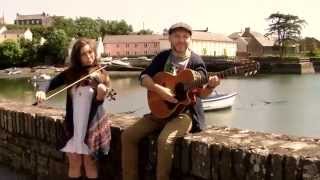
10	54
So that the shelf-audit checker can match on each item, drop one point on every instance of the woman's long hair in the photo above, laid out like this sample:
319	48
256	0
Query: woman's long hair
76	52
76	69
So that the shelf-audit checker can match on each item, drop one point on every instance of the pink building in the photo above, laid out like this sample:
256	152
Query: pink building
131	45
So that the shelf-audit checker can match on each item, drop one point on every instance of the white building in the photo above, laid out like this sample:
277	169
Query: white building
207	44
100	48
15	34
3	29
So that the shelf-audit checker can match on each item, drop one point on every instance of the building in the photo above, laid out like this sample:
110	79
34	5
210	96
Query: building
213	44
203	43
131	45
2	22
309	44
242	44
251	43
260	45
34	19
15	35
100	48
2	29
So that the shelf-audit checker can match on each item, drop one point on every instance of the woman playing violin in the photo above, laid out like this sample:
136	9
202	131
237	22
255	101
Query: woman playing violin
84	101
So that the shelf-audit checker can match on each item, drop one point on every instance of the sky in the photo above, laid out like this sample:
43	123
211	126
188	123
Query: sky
223	16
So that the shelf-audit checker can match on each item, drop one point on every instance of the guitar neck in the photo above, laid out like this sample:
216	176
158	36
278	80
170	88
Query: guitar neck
246	69
225	73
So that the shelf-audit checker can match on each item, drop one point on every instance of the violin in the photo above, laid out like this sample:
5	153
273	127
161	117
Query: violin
88	77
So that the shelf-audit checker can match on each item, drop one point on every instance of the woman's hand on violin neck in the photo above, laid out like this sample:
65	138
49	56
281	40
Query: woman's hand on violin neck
94	75
40	96
102	91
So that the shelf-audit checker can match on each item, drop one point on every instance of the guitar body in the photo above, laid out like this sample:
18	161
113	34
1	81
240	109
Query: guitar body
183	84
163	109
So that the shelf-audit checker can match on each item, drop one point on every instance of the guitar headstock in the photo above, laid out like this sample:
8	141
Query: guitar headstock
247	68
111	95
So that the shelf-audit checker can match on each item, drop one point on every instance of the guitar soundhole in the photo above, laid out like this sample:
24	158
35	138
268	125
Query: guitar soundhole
180	92
170	105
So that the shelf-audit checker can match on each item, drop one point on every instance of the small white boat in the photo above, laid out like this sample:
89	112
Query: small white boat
40	80
12	71
120	63
106	59
217	101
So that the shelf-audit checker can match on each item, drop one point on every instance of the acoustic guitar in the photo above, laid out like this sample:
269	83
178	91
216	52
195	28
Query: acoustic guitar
185	85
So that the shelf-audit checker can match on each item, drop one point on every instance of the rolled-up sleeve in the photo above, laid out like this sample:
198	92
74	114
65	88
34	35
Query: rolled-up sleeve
155	67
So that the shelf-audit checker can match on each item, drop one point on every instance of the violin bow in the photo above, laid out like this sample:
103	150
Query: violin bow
70	85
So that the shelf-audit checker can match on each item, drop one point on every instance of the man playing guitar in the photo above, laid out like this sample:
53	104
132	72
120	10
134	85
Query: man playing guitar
173	61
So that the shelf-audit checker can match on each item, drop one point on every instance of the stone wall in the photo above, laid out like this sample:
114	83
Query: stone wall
28	136
286	67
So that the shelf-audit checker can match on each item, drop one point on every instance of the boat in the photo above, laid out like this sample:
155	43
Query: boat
217	101
118	62
41	80
12	71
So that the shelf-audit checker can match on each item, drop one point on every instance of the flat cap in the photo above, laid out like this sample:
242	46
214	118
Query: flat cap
180	25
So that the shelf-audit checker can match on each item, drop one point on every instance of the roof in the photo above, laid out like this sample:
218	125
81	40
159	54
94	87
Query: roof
263	40
15	31
131	38
208	36
31	16
235	35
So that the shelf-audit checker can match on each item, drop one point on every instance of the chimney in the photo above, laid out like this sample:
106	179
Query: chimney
247	30
165	32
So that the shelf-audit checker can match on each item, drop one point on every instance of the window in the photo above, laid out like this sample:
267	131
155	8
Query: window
135	45
127	45
145	45
117	45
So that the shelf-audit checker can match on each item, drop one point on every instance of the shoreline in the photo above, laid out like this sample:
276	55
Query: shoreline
26	72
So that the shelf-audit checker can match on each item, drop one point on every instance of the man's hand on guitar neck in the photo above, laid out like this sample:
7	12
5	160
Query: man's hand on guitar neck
213	82
165	93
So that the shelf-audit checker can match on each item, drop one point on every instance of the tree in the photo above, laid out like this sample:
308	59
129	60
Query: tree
10	53
114	27
67	24
286	27
145	32
29	52
87	27
55	47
